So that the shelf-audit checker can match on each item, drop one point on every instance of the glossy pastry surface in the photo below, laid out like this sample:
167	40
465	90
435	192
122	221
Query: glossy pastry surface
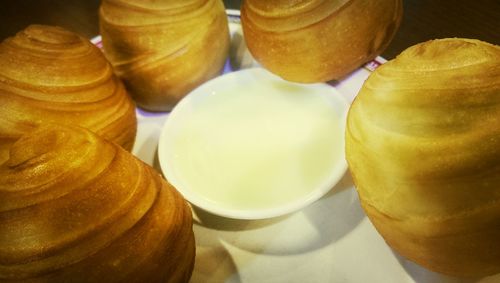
164	49
77	208
423	146
49	74
318	40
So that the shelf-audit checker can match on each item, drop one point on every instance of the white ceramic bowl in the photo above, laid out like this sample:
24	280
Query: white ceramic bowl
249	145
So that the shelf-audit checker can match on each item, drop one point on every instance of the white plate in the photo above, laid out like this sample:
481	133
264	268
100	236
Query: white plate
331	240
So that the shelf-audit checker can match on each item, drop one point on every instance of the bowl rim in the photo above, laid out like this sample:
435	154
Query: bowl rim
223	82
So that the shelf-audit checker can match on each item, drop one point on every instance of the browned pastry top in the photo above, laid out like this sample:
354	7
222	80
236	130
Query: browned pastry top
436	107
49	74
164	49
77	208
283	15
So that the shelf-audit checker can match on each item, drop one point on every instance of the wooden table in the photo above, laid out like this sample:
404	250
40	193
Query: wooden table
422	20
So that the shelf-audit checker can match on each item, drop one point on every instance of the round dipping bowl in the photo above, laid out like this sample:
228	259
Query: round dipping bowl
249	145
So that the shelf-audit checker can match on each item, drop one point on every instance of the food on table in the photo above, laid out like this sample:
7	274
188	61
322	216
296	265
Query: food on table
423	146
49	74
164	49
77	208
318	40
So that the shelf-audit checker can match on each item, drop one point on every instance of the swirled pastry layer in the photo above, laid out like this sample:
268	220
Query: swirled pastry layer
318	40
77	208
164	49
423	145
49	74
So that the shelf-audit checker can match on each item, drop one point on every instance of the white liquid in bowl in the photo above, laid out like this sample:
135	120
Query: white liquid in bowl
255	144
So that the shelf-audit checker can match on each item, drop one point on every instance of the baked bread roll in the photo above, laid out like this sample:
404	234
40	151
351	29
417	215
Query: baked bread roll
77	208
318	40
423	146
49	74
164	49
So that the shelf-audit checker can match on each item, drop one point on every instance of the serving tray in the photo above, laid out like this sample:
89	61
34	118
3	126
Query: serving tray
331	240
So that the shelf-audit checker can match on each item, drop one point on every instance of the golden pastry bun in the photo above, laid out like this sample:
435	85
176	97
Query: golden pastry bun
423	146
77	208
318	40
49	74
164	49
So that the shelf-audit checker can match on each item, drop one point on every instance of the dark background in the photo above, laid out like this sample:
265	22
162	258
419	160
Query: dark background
422	19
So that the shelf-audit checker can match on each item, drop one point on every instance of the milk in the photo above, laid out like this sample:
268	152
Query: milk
257	147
